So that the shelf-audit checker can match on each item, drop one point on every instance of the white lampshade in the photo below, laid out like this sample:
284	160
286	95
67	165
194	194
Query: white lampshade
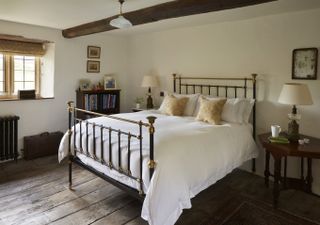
120	22
295	94
150	81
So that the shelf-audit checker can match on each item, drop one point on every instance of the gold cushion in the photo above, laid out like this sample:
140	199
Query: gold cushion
173	106
210	110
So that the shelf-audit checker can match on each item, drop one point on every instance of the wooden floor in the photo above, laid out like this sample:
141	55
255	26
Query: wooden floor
36	192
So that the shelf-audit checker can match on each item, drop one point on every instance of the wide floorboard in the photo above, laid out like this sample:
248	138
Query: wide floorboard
36	192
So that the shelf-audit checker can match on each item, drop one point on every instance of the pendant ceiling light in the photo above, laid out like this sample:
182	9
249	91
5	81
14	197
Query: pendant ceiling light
120	22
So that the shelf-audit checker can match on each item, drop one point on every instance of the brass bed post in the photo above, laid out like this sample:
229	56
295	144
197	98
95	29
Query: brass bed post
151	163
254	82
70	110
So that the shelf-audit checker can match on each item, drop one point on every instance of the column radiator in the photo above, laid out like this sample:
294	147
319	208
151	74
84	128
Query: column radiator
9	137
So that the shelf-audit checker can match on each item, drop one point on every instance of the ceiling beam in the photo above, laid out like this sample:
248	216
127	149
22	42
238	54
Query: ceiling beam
168	10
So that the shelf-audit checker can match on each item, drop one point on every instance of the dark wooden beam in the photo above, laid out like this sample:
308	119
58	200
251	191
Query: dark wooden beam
159	12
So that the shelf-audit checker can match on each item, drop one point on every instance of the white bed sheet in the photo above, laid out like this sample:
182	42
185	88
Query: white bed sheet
190	156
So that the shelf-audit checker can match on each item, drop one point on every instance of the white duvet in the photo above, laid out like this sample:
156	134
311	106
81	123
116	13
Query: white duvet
190	156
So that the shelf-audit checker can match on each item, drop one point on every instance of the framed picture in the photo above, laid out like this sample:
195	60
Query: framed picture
85	84
93	66
304	63
93	52
109	83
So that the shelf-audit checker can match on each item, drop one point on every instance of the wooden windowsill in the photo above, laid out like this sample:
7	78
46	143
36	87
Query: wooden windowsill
15	98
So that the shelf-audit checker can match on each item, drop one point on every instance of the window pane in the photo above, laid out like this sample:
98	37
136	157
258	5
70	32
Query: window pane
18	63
29	76
18	86
30	58
1	87
29	85
30	65
1	62
18	75
1	75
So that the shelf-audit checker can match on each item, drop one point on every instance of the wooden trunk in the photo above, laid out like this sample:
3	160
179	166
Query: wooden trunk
42	145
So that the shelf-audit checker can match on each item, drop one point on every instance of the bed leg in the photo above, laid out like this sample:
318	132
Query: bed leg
70	174
253	165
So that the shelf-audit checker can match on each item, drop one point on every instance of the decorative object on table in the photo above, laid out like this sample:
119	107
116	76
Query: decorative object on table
304	63
295	94
27	94
120	22
149	82
138	101
93	52
84	84
279	140
109	82
275	130
93	66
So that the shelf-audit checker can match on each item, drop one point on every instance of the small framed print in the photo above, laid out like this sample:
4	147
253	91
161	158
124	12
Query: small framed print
93	52
85	84
93	66
304	64
109	83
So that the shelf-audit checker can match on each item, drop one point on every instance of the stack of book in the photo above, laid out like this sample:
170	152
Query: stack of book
279	140
91	102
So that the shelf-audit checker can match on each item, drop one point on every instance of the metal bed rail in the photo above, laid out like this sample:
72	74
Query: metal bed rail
106	133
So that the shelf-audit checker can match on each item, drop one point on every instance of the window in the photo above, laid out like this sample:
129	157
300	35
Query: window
1	73
18	72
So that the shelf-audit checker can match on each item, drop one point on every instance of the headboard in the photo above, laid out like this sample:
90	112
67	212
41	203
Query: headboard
220	86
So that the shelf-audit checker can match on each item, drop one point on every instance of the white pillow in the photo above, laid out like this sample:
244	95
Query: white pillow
236	110
191	104
249	103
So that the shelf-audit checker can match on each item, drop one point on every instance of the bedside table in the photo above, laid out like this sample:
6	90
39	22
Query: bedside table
282	151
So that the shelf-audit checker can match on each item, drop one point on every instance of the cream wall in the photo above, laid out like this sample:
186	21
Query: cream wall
70	65
261	45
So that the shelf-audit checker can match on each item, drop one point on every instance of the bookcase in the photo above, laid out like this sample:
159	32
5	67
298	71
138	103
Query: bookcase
100	101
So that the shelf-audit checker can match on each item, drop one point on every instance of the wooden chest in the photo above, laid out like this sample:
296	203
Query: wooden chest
42	145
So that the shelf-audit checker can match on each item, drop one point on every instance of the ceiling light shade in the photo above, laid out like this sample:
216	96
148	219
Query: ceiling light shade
120	22
295	94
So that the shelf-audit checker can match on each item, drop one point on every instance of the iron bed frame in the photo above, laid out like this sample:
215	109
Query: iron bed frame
180	85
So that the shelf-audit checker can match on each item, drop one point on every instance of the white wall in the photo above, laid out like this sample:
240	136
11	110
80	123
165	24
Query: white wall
261	45
37	116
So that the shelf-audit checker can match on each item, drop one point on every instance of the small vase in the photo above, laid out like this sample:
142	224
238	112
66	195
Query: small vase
138	105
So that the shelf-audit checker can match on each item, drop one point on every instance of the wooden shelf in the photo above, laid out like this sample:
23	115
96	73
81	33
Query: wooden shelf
100	101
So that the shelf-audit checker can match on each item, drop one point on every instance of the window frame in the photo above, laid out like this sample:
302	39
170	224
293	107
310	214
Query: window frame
4	75
9	75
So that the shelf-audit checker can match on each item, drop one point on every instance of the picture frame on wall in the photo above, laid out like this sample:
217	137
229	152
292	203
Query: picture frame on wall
85	84
109	83
304	64
93	52
93	66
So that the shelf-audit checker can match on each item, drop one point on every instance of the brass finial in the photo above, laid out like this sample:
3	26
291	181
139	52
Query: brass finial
70	106
151	120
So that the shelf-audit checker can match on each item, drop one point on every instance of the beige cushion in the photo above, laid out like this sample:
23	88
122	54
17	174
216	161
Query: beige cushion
210	110
174	106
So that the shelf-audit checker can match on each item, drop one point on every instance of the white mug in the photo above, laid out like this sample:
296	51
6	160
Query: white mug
275	130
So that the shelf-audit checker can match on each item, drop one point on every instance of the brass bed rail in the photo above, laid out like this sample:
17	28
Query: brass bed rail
106	134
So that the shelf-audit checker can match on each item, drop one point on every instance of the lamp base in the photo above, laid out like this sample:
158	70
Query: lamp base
293	131
149	102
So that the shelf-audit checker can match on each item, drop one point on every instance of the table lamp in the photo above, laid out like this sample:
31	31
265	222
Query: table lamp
295	94
149	82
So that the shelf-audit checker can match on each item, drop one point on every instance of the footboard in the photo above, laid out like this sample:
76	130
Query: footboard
87	128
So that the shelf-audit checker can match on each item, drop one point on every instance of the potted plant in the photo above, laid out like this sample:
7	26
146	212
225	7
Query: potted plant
138	101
